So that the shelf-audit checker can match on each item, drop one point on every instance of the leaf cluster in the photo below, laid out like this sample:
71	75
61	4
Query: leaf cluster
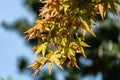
59	27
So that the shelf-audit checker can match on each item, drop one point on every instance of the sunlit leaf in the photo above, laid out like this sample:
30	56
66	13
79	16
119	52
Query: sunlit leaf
82	43
38	21
41	48
57	30
88	28
50	64
101	10
82	51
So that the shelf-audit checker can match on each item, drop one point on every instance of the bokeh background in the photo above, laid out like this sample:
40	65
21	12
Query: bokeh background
17	16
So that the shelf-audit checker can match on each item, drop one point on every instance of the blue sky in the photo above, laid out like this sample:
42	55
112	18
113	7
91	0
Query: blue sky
12	46
10	10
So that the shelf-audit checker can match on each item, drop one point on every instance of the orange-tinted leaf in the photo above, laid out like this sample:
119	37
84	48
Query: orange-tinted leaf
101	10
83	33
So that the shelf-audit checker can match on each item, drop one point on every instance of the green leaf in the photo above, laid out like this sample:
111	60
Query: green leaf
82	51
113	6
88	28
82	43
